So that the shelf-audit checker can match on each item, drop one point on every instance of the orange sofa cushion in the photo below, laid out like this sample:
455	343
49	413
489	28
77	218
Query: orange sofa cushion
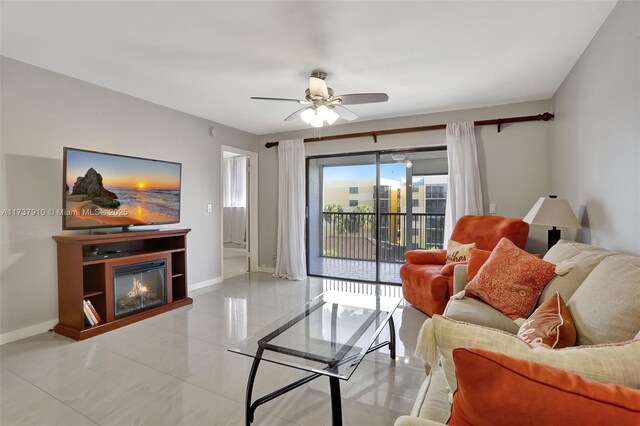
550	325
494	389
511	280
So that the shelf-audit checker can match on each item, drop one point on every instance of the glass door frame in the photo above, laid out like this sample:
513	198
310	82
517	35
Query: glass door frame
377	153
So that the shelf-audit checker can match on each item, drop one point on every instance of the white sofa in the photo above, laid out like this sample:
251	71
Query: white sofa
606	309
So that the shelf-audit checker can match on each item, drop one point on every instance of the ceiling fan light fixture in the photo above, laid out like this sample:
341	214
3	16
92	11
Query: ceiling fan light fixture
308	115
331	116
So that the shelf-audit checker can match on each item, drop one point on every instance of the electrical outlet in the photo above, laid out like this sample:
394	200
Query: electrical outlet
493	209
208	208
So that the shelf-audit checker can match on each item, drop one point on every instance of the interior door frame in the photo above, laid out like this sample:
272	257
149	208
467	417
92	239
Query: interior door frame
252	199
377	154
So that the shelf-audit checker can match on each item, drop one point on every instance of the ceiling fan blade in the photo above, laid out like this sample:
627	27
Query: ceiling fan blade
318	87
295	114
362	98
345	113
300	101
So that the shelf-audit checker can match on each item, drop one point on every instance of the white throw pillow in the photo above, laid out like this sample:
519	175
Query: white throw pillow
458	252
613	363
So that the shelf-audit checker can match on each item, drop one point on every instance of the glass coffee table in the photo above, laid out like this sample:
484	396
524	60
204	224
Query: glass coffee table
328	336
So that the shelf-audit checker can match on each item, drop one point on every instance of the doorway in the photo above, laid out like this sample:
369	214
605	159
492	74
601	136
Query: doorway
238	218
366	210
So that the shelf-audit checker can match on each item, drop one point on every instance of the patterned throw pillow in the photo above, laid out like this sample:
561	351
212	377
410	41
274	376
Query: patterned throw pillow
550	325
458	252
511	280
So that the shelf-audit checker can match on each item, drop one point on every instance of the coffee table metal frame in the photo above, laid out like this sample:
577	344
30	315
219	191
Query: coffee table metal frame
331	362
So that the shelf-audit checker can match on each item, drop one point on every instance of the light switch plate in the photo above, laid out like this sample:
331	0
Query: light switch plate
208	208
493	209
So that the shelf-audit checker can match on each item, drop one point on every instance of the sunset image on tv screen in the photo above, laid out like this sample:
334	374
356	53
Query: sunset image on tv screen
111	190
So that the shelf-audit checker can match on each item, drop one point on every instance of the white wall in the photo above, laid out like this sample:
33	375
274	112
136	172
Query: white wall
596	142
43	111
514	164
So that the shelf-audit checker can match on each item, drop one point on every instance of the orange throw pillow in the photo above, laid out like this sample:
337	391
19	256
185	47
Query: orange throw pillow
550	325
494	390
511	280
477	258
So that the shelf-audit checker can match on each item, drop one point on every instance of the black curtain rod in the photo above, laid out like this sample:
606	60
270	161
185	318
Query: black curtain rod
497	121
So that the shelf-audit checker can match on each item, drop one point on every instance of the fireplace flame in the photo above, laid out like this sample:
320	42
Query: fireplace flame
138	288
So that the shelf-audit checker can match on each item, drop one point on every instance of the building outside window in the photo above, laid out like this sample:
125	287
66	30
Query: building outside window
435	206
353	190
353	203
435	198
436	191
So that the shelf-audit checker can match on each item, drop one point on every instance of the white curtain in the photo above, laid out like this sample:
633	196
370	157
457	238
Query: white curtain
464	188
291	260
234	199
235	182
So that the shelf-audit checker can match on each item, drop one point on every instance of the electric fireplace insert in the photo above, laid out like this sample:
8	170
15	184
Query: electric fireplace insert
139	287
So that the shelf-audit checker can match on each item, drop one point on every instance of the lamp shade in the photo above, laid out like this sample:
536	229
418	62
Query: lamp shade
552	212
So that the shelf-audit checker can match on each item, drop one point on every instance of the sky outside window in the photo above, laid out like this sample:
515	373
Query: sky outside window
394	171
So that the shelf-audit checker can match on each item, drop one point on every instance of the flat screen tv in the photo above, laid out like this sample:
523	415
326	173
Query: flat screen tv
103	190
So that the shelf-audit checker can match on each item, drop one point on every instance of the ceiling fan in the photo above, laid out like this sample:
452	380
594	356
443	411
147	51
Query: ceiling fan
323	106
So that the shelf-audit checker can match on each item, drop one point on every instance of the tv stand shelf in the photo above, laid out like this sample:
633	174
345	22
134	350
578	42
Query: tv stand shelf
80	279
128	255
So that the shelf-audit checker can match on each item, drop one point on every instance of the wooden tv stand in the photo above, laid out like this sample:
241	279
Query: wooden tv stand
82	276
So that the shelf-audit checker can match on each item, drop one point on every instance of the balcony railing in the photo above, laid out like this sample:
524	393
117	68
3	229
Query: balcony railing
353	235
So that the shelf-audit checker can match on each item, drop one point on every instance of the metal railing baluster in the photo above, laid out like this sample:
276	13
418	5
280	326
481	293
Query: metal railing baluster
351	235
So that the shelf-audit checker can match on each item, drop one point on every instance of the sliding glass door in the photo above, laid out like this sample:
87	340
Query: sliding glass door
366	210
341	231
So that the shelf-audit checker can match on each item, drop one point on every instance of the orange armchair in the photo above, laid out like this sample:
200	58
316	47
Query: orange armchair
427	281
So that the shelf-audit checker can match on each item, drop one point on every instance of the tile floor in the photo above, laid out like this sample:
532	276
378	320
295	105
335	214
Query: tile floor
234	263
174	369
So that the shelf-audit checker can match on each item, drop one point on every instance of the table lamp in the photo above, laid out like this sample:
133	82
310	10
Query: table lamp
555	212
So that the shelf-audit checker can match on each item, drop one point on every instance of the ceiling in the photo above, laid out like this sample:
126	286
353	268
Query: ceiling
208	58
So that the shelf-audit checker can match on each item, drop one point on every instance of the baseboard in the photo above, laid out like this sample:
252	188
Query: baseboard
23	333
266	269
205	283
32	330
